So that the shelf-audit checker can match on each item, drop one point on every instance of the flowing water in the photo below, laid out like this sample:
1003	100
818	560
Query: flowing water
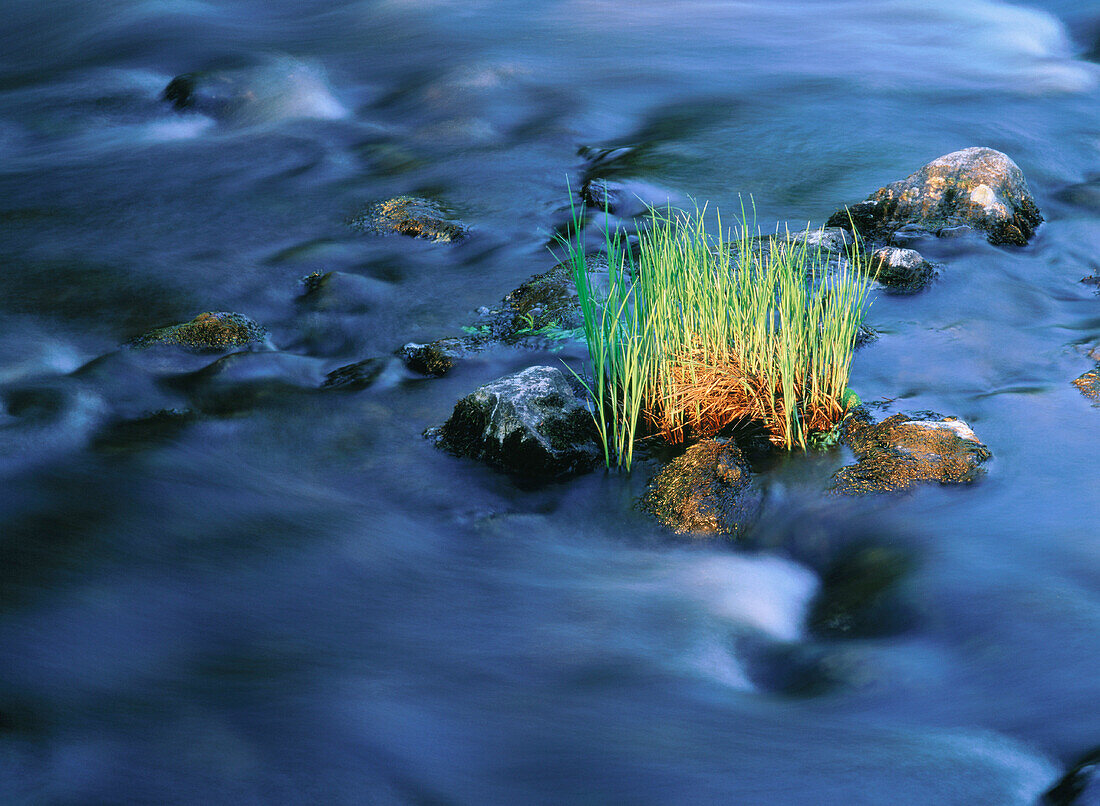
300	600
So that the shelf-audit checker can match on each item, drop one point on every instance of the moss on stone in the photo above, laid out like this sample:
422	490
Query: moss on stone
212	330
411	216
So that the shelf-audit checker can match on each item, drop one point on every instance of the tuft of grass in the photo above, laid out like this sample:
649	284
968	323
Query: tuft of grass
697	331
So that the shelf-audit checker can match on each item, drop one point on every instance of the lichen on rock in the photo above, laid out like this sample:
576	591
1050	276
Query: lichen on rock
905	450
212	330
707	490
975	187
409	215
529	423
902	271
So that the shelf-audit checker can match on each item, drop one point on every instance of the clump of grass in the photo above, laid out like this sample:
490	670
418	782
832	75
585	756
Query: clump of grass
696	332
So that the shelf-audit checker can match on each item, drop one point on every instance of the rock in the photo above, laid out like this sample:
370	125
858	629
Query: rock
1089	384
796	669
125	436
529	423
859	594
902	451
902	271
342	292
355	377
280	88
407	215
541	313
1078	787
626	198
976	187
827	239
707	490
213	331
246	380
435	359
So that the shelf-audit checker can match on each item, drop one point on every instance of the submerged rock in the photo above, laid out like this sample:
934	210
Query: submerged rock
1089	384
355	377
625	198
975	187
280	88
530	423
902	271
859	594
408	215
902	451
341	292
707	490
436	358
1078	787
213	330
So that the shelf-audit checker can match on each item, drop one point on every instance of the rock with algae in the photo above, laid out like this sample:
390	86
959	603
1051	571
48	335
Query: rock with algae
409	215
905	450
212	330
975	187
708	490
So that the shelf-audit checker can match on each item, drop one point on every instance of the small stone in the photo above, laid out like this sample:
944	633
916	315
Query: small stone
1089	384
708	490
902	271
213	331
529	423
408	215
435	359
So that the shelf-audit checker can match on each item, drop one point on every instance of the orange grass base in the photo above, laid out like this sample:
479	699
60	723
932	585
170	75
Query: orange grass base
703	396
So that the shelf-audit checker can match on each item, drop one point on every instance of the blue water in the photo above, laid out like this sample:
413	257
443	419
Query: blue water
301	601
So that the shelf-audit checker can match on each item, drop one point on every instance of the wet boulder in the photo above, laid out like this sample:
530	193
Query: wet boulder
1078	787
530	423
1089	384
708	490
903	451
975	187
279	88
902	271
210	331
411	216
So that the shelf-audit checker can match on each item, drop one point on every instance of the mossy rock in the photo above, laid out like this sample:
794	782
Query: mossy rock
411	216
212	330
975	187
903	451
1089	385
708	490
